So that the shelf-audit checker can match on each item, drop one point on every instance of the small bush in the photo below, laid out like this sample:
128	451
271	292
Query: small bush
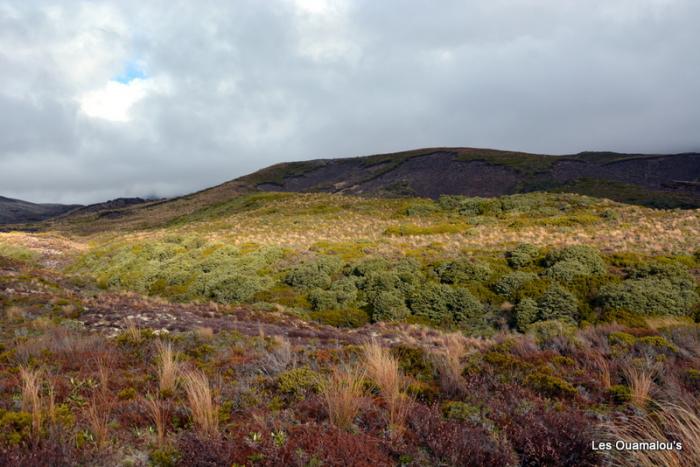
344	318
461	411
299	382
557	303
15	428
621	338
586	256
523	255
462	270
550	385
509	285
620	393
525	313
653	289
314	274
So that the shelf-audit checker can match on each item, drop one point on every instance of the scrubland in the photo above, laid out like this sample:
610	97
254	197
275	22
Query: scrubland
318	329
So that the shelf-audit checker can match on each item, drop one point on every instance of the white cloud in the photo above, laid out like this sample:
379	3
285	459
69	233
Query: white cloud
241	84
114	100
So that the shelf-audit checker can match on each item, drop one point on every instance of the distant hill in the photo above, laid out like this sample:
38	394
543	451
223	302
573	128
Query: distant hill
665	181
15	211
661	181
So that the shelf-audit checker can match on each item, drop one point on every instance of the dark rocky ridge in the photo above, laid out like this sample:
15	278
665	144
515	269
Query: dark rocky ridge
15	211
654	180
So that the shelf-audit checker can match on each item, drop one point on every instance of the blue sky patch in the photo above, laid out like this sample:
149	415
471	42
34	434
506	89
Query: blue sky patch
131	71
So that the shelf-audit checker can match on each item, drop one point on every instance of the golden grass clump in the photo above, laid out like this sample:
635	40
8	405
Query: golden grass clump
155	411
667	423
384	370
201	402
168	368
31	397
98	418
604	370
343	393
640	383
447	361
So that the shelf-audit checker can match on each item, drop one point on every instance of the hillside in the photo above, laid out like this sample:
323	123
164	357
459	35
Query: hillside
651	180
239	327
15	211
236	326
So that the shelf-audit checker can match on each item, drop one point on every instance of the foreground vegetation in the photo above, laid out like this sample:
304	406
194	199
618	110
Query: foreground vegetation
289	329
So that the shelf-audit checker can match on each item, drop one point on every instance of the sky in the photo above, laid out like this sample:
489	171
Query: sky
103	99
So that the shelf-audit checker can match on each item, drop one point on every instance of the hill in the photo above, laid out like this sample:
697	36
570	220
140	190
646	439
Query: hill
664	181
14	211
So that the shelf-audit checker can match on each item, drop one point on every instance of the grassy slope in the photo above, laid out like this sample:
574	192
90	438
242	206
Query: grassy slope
504	400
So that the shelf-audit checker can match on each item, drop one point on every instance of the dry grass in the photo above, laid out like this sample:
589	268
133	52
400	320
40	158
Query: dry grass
659	322
154	409
98	418
204	333
604	370
343	394
168	368
204	410
51	403
447	362
668	423
31	397
384	370
640	382
133	332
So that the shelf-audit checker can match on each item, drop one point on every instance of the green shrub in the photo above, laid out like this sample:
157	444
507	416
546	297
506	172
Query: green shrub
509	285
388	306
341	294
621	338
299	381
414	361
658	342
15	428
461	411
587	257
164	457
314	274
566	271
652	292
550	385
525	313
234	287
443	304
620	393
462	270
523	255
557	303
546	331
345	318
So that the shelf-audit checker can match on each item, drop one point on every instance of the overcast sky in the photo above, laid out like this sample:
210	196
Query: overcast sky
102	99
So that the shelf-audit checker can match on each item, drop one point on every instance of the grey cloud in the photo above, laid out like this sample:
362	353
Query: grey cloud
252	83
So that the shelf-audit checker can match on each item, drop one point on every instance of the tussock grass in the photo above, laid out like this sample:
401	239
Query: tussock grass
343	393
98	415
447	362
666	423
384	370
640	382
31	397
167	367
154	409
202	406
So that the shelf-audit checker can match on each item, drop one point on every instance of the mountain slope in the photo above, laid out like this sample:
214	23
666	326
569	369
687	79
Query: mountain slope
14	211
665	181
654	180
